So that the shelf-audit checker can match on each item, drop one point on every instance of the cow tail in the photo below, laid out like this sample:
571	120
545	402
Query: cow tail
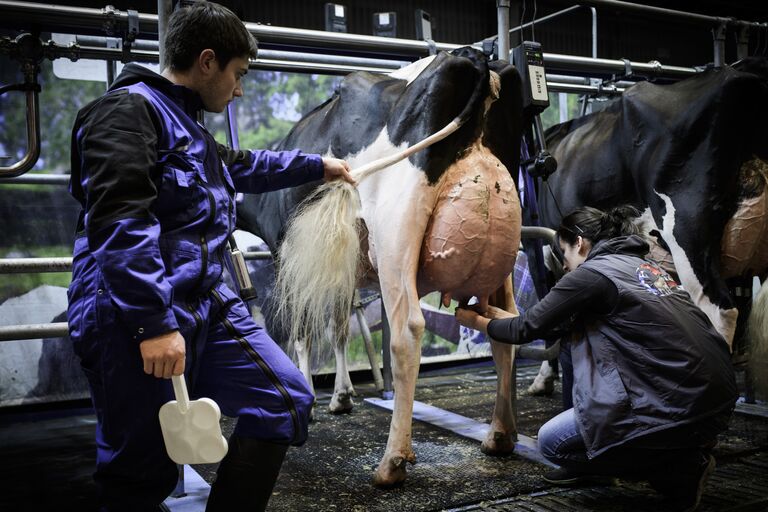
757	332
318	263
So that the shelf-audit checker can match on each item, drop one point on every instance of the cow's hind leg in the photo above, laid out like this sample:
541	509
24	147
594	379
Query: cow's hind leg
343	391
407	327
544	382
502	433
399	234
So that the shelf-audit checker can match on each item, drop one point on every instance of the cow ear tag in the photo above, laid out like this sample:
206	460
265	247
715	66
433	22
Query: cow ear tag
191	429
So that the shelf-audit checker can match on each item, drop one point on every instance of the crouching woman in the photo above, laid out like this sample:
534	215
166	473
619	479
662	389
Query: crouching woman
653	383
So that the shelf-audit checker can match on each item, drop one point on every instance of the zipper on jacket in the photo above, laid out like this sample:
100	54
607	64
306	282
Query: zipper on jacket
201	277
259	361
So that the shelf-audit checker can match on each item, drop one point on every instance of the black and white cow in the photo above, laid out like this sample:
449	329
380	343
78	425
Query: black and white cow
692	155
446	218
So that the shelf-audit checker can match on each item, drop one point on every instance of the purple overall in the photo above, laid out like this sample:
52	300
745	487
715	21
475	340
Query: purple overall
157	195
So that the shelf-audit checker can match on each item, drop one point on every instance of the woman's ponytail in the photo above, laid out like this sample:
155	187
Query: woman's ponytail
619	221
595	225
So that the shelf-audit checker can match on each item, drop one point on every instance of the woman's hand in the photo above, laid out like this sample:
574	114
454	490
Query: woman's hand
495	313
472	317
469	316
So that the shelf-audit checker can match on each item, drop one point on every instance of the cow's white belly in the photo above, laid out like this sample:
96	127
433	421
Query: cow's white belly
473	233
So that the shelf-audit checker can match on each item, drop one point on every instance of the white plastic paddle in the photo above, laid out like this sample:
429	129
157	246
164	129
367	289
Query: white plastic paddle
191	429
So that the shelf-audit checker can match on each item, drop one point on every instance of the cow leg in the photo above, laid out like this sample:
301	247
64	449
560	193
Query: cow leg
396	208
406	328
502	433
343	391
303	351
715	302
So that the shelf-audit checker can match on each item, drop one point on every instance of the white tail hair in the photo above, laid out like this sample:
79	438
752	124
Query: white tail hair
757	332
318	263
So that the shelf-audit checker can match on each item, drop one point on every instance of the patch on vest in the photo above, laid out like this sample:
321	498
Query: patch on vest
655	280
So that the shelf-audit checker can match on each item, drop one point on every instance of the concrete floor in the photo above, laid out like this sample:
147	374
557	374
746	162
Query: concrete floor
47	457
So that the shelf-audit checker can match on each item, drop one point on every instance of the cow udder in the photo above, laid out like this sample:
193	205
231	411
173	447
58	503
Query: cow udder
473	235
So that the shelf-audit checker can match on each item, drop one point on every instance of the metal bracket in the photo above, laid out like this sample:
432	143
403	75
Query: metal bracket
361	303
718	35
130	35
491	47
627	68
110	19
742	43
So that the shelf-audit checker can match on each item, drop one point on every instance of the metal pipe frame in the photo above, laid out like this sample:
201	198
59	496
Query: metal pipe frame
502	13
35	265
33	139
333	65
48	17
28	50
64	264
547	234
539	354
267	55
99	21
38	179
164	9
569	64
33	331
594	32
85	20
670	13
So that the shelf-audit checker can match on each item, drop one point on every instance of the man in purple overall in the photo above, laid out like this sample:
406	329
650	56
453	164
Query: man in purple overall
147	299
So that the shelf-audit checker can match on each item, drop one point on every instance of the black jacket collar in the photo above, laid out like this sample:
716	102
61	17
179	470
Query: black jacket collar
132	73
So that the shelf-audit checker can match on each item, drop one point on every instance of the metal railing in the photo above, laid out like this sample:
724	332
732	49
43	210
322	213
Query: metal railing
64	264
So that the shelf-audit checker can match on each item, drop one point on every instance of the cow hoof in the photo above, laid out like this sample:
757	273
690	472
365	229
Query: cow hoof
498	444
341	403
392	471
542	386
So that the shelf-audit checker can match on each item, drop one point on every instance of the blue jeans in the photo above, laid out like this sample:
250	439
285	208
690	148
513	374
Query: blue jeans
566	372
676	450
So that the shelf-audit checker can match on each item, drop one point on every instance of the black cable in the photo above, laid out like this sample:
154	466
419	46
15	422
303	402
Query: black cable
559	211
533	22
522	25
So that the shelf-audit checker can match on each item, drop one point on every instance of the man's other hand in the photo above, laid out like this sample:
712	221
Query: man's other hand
164	355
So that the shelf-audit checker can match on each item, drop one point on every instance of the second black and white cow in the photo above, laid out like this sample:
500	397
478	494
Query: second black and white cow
446	218
692	156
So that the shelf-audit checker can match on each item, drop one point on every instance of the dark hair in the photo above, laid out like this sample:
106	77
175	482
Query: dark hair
596	225
204	25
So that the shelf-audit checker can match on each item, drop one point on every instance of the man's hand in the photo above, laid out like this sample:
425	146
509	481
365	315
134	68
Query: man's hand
334	168
164	355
